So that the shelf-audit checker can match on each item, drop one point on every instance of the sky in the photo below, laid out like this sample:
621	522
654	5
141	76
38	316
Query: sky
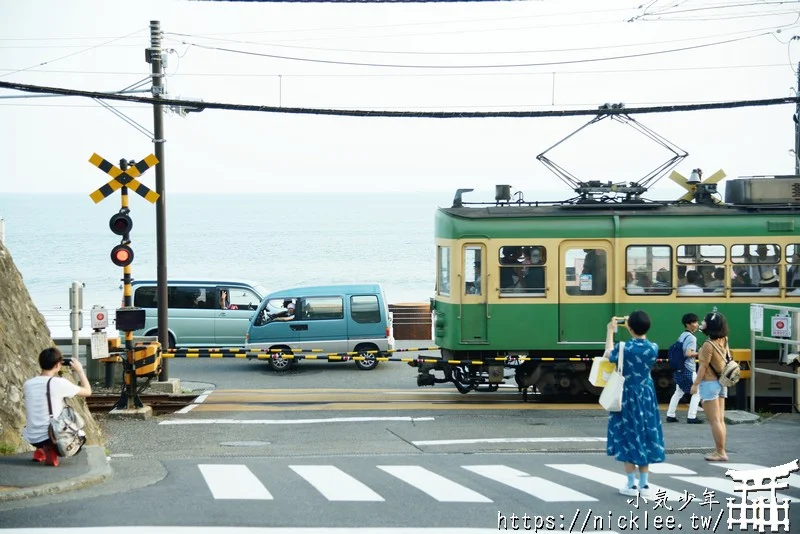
446	56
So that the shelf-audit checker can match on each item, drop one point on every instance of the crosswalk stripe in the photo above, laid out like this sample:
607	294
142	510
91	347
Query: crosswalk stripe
229	481
666	468
725	485
540	488
608	478
438	487
794	480
335	484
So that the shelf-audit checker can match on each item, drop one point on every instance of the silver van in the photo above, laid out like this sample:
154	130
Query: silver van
202	313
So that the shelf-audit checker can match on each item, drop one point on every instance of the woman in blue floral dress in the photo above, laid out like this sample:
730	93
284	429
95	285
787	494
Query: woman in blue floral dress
635	436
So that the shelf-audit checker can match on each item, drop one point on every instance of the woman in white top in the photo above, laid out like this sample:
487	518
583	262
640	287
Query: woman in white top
36	410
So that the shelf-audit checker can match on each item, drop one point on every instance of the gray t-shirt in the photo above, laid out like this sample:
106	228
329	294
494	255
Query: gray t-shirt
689	344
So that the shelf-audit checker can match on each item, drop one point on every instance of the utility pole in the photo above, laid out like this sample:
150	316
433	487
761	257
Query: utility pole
154	57
796	118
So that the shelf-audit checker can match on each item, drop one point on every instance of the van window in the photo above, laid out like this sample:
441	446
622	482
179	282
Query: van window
243	298
191	297
365	309
145	297
318	308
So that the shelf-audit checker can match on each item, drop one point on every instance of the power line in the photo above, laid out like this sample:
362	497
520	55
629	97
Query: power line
420	75
477	53
69	55
495	66
402	114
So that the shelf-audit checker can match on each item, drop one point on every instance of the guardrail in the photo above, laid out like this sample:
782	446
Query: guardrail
757	325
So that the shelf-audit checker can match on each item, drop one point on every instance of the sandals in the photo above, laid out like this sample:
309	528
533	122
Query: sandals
716	457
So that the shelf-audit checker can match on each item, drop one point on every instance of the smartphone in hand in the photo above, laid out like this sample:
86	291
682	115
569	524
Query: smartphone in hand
67	362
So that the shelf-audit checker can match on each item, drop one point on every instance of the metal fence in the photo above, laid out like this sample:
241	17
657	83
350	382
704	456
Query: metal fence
788	346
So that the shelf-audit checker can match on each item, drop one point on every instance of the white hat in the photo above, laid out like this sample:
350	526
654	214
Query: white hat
768	278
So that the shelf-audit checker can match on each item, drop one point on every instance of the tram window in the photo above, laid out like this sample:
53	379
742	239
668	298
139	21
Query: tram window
755	266
700	269
472	270
648	270
444	271
522	271
589	266
793	269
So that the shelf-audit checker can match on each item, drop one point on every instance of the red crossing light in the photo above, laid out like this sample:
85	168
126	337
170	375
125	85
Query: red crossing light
120	224
122	255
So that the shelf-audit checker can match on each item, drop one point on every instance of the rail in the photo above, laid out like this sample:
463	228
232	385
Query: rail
792	327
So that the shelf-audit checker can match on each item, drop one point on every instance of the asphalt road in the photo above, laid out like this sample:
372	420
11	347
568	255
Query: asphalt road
328	445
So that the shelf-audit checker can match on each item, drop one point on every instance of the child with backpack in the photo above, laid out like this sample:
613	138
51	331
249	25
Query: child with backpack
682	356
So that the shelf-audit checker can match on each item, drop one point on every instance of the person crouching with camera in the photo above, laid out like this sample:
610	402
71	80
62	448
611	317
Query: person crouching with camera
36	405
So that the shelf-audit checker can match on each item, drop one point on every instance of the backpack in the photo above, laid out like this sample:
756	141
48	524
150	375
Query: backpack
730	373
66	430
675	355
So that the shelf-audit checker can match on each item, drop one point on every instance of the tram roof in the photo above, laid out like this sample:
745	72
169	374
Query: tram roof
649	209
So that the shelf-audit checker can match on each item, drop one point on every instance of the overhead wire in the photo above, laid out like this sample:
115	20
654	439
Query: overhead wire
502	52
485	66
398	114
70	55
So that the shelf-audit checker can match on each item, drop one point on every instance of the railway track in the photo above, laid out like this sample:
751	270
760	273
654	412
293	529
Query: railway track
159	403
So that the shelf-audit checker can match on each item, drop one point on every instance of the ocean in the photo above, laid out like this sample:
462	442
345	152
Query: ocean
279	240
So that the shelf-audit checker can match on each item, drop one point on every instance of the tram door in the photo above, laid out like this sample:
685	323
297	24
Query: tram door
474	304
585	293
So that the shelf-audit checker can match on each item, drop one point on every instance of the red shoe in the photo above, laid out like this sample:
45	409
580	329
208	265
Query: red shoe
39	455
51	456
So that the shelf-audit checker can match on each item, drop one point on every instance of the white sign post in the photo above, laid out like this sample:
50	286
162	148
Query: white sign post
756	317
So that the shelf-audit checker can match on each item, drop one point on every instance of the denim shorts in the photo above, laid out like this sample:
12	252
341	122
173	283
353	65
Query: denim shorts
711	389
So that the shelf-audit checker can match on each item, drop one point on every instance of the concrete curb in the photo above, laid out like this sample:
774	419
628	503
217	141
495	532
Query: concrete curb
99	471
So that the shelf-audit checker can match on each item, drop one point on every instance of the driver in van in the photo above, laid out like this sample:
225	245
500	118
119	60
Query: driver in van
286	314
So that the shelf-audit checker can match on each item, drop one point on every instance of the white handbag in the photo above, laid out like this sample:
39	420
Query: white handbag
601	371
611	397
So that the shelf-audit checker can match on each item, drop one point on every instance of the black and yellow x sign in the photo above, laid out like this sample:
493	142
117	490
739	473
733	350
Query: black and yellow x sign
126	178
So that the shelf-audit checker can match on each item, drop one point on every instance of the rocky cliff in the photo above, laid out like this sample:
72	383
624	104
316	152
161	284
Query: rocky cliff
23	334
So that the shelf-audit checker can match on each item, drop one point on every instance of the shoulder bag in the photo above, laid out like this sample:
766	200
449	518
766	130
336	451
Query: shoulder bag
66	430
611	397
729	376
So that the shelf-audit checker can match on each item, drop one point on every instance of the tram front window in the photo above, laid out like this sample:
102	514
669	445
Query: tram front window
472	271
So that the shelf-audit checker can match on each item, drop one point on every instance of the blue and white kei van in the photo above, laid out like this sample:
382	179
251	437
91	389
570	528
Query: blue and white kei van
335	318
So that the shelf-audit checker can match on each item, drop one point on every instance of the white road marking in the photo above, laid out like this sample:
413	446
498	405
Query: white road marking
437	486
794	480
609	478
198	400
670	469
335	484
231	481
540	488
256	530
724	485
290	421
508	440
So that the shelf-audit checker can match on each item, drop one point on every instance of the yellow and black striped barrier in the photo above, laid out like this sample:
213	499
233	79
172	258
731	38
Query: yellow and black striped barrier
319	354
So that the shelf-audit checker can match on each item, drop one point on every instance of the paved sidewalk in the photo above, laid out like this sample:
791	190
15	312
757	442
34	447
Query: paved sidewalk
22	478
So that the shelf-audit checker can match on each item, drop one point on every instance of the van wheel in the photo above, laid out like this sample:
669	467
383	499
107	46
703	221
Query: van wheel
280	364
369	362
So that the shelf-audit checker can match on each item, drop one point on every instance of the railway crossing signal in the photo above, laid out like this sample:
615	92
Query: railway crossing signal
698	189
129	318
121	224
124	178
